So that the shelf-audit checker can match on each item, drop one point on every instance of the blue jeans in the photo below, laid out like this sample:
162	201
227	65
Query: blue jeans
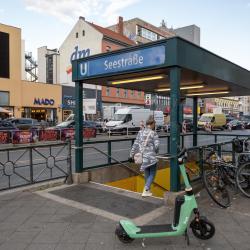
149	175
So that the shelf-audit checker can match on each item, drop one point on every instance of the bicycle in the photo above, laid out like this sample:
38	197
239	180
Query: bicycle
219	176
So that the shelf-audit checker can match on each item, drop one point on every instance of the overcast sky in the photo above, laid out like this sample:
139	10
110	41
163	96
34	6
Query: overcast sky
225	24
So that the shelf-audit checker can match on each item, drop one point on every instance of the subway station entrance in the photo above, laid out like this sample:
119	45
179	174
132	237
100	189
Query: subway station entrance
173	67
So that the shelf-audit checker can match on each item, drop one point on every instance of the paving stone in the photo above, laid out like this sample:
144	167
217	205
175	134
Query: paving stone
13	246
5	235
37	246
71	246
48	237
23	237
31	226
74	235
98	246
104	240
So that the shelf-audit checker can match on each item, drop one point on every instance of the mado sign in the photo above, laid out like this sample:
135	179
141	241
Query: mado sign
143	58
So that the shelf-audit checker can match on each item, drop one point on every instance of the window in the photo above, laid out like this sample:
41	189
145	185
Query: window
125	93
4	98
83	32
4	55
107	91
117	92
76	34
108	48
148	34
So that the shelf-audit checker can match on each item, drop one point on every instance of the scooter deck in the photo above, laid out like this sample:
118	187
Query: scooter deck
156	229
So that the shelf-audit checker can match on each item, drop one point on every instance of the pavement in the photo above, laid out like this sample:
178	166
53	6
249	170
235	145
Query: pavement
85	217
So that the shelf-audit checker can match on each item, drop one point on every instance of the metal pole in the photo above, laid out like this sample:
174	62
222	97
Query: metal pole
195	118
69	179
175	75
31	166
109	152
78	128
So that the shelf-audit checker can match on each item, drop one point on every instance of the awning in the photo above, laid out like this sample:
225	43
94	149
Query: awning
2	110
147	68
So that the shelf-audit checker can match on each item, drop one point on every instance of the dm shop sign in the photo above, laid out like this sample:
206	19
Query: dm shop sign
44	101
138	59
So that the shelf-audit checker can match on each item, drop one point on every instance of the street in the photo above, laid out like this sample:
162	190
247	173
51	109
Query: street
53	163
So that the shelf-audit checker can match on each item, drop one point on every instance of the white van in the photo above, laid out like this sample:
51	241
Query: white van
129	119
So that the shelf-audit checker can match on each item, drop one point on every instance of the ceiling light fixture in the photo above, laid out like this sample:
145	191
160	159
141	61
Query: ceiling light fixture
208	93
138	80
182	88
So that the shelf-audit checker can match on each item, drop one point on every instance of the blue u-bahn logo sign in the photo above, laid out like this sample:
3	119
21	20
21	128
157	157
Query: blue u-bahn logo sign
123	62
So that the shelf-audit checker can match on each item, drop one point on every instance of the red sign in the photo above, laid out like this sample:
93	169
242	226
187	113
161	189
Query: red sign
89	133
48	135
67	133
4	137
20	137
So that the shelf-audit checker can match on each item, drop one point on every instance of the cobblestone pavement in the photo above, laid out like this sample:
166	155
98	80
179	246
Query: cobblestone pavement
61	220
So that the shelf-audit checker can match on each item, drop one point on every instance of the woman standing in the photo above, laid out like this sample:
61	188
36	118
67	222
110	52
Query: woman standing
147	143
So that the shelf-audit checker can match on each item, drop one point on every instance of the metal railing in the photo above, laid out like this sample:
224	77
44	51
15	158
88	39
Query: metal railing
120	148
117	162
26	165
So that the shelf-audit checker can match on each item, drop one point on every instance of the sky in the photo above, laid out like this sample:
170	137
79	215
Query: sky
224	24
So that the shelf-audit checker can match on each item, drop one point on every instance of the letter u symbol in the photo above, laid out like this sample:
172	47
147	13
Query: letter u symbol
83	69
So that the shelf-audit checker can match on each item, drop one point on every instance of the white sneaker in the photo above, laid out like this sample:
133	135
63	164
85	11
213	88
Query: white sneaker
146	193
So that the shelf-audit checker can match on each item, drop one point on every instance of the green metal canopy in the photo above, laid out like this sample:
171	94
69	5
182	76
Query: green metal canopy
172	67
200	69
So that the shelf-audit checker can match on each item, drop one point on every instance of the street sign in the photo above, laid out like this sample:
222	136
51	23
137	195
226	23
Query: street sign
123	62
148	99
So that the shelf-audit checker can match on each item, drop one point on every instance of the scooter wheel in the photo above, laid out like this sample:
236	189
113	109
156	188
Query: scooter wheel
122	235
203	229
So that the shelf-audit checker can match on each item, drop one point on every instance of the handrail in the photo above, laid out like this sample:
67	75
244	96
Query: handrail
124	165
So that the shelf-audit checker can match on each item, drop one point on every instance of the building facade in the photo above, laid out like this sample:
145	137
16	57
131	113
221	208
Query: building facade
84	39
142	32
23	98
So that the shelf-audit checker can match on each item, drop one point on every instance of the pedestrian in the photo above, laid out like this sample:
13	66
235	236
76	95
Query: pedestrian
147	144
142	126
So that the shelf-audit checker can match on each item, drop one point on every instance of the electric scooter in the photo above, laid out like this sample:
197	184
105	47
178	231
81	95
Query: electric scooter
202	228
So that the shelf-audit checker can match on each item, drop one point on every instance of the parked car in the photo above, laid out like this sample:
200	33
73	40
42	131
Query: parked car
71	124
65	124
246	121
235	124
25	123
7	125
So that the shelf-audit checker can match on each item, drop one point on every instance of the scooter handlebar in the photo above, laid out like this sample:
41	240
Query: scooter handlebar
169	157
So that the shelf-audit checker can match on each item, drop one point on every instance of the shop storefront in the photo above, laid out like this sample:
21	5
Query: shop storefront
42	102
92	104
40	114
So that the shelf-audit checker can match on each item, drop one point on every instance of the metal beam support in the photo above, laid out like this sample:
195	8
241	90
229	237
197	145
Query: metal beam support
175	75
78	128
195	118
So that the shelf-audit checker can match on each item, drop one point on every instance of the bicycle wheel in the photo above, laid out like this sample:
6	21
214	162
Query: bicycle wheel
243	179
216	186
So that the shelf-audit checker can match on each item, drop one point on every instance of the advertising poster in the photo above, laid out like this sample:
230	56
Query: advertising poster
21	137
4	137
49	135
